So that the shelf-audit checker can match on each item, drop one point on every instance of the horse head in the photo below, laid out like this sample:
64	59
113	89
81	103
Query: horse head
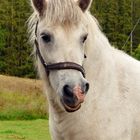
61	36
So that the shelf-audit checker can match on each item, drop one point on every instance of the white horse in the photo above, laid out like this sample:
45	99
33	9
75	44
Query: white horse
65	33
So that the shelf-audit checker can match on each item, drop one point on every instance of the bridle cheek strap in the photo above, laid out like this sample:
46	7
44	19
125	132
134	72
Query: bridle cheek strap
58	66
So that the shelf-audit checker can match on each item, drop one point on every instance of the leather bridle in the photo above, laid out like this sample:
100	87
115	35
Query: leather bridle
56	66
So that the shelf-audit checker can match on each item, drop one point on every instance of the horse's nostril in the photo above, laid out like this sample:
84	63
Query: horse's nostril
86	87
67	91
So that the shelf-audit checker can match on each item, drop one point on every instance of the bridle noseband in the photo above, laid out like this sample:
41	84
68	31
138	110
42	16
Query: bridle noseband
56	66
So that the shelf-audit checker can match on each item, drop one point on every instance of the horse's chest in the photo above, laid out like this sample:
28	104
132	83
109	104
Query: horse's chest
83	131
103	126
71	130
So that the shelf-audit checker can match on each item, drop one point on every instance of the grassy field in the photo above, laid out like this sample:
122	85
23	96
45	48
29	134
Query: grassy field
23	109
21	99
24	130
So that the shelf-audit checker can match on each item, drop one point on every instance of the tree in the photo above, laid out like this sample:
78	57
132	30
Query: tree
115	19
15	51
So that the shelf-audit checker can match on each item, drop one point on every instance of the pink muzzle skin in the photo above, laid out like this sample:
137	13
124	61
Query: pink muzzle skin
79	94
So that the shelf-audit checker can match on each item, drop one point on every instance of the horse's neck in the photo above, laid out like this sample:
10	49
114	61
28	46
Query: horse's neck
100	66
98	48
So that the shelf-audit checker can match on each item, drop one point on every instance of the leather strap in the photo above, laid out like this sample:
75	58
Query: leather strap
57	66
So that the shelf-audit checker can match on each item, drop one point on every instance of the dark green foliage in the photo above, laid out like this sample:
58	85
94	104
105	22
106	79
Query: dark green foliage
136	53
117	19
136	16
15	58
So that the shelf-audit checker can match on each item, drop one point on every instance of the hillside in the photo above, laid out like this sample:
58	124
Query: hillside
21	99
21	85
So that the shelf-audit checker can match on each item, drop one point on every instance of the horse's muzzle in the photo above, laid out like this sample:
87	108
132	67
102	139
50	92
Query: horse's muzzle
73	97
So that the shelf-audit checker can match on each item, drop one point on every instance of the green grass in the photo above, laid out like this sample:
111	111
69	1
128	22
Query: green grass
17	106
22	99
24	130
23	109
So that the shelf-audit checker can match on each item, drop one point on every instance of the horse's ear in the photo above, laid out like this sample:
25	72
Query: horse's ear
39	5
84	4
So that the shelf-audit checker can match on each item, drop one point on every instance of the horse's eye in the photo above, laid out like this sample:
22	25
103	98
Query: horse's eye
84	38
46	38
